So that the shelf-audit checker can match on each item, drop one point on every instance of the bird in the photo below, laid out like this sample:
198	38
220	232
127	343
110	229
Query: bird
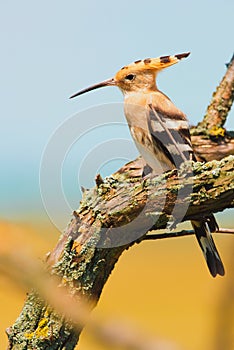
161	133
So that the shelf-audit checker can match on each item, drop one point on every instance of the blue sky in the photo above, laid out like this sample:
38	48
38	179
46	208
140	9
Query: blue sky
51	49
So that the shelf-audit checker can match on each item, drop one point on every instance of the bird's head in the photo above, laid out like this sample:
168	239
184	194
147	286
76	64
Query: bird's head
138	76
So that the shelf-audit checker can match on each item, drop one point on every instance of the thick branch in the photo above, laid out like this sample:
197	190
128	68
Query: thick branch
207	149
82	262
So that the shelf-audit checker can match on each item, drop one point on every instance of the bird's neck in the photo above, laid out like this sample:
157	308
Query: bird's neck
158	99
144	97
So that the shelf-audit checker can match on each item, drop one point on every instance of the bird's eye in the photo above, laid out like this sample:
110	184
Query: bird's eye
130	77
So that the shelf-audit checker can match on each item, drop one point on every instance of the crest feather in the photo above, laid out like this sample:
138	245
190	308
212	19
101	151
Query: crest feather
155	64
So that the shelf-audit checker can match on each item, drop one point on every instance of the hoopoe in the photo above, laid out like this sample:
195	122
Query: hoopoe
161	133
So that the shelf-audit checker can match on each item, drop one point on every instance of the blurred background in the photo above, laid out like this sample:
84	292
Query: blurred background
49	50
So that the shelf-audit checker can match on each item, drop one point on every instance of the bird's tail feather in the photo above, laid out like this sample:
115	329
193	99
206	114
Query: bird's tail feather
203	229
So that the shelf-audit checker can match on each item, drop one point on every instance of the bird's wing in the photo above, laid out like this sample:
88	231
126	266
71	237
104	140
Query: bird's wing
170	134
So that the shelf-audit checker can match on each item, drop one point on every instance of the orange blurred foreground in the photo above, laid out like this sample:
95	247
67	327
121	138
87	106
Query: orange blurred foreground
161	287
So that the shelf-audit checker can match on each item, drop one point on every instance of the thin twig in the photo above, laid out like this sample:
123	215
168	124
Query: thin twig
182	233
226	230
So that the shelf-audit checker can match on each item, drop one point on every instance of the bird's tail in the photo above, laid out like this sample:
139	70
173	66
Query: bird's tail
203	229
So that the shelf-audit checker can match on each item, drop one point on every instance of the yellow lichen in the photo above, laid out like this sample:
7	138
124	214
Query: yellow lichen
42	330
217	131
29	335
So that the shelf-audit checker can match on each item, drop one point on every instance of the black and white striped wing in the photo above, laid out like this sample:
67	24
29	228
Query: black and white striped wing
171	136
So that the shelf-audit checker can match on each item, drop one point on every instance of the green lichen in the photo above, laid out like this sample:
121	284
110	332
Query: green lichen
216	173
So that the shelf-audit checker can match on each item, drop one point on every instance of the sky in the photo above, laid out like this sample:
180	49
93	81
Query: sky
51	49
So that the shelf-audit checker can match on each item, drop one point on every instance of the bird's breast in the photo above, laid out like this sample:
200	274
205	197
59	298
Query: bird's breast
135	110
151	118
137	118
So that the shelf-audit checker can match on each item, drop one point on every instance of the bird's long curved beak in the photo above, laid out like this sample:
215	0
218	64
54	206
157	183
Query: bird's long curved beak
108	82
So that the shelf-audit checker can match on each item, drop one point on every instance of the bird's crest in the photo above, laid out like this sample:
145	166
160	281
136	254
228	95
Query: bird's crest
154	64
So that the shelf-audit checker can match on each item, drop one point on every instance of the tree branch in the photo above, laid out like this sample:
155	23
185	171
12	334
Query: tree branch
219	107
209	138
155	236
84	265
121	206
